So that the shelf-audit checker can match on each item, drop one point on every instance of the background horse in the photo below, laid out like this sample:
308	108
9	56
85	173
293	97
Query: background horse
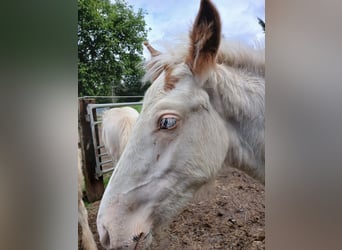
204	110
117	124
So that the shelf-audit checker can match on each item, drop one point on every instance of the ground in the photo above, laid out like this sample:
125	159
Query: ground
233	218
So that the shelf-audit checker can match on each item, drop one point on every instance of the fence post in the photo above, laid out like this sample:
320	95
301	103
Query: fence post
94	187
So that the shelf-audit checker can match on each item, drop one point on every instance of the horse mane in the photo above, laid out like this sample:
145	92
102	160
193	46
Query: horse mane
125	131
231	54
243	57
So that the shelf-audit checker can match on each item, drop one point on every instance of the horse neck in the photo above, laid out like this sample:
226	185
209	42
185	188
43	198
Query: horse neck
239	99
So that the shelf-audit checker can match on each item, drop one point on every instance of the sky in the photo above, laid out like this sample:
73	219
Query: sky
170	19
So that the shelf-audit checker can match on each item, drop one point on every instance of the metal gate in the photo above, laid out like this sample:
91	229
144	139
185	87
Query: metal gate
95	121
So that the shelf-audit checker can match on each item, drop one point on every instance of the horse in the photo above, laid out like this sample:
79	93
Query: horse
204	110
117	124
88	241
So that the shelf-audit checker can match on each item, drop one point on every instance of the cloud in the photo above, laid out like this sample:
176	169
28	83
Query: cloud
173	18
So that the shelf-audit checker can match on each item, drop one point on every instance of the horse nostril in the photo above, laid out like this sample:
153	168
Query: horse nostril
105	240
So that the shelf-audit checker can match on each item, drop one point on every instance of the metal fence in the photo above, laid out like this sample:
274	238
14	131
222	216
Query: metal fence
95	120
95	160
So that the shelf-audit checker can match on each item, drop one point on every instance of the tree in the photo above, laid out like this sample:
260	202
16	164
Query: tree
110	38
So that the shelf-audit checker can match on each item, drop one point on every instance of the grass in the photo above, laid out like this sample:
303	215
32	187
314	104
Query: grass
137	107
106	178
86	203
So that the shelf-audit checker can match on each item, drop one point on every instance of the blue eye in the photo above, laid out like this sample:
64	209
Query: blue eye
167	123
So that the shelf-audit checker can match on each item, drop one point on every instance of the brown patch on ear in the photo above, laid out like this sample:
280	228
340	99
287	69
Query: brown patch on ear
170	80
152	50
204	39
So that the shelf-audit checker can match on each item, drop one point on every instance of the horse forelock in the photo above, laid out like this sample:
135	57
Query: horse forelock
165	62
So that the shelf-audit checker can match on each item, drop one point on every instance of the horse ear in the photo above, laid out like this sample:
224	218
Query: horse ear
204	39
152	50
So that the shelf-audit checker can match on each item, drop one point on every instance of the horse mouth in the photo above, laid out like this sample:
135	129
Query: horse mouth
142	240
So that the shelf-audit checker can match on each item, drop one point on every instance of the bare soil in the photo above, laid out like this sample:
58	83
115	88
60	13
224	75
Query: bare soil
233	218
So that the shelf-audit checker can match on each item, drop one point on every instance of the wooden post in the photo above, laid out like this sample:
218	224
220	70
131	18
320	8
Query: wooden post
94	187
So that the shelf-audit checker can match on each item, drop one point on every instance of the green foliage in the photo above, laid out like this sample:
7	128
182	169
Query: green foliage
110	38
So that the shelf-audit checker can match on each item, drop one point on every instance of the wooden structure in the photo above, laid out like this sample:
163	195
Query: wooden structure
94	184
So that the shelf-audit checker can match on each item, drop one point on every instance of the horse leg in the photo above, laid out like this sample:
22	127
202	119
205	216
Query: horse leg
87	236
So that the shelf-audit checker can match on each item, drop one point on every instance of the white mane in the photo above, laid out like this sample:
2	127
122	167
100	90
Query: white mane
232	54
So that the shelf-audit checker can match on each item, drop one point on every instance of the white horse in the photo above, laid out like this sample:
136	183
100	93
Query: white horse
88	241
204	110
117	124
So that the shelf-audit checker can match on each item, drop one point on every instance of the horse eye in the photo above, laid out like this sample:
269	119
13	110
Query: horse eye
167	123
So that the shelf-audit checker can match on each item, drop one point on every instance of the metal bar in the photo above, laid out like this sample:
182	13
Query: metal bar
105	105
101	146
105	162
103	154
104	96
98	166
107	170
